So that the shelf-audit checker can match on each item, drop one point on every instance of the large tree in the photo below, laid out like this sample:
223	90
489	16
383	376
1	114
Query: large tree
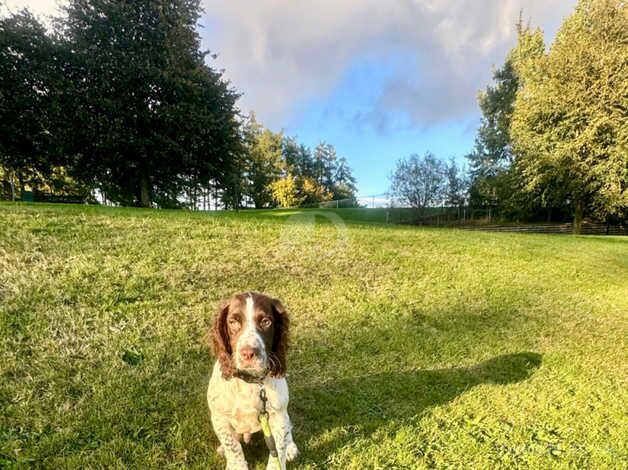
455	184
344	185
30	100
493	179
298	158
263	162
489	162
570	122
147	114
492	153
419	182
325	160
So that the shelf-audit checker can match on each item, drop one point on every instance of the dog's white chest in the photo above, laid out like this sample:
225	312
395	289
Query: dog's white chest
240	402
245	409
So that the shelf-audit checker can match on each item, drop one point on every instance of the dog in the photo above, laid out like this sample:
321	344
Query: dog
249	339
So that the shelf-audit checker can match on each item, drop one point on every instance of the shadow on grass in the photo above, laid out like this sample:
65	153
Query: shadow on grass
366	403
148	418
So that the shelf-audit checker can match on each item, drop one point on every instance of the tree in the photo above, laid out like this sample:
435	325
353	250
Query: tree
491	157
569	126
325	165
490	163
285	191
263	161
344	186
149	118
29	101
310	192
493	153
419	182
297	158
455	184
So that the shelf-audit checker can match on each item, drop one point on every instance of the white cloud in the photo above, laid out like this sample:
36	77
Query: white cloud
282	53
39	7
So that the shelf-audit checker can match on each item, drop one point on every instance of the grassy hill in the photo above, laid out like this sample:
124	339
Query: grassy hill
412	347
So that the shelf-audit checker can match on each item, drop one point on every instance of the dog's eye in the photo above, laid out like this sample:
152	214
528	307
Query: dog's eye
234	324
265	323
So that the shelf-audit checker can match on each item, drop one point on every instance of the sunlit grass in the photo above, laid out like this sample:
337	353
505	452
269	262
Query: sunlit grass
411	347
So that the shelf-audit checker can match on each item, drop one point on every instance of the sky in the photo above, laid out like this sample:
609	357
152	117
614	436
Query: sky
378	79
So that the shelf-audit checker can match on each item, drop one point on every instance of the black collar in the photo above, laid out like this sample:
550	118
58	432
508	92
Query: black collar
250	378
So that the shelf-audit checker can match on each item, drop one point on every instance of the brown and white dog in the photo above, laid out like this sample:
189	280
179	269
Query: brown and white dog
249	339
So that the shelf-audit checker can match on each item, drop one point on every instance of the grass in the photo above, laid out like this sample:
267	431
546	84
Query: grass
379	215
412	347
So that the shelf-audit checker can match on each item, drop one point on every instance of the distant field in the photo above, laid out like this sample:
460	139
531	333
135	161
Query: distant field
377	215
412	347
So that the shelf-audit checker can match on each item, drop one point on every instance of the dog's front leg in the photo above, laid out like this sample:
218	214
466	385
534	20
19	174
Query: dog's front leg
281	428
230	444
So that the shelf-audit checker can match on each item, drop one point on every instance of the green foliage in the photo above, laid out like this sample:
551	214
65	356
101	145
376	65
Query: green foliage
456	185
494	180
325	176
121	97
325	164
263	161
492	153
311	192
147	112
280	170
412	347
297	158
569	127
30	99
490	160
344	184
419	182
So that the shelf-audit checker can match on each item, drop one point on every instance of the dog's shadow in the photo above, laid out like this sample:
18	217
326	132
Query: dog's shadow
371	401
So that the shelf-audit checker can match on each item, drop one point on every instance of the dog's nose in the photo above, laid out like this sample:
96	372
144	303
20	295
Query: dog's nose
247	353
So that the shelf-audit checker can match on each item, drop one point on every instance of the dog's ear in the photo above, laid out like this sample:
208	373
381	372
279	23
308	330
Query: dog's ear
219	335
281	322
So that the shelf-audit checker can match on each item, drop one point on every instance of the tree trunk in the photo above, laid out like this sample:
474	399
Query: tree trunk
12	183
577	218
145	196
20	180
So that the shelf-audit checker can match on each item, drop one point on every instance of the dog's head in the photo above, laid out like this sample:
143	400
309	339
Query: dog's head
250	335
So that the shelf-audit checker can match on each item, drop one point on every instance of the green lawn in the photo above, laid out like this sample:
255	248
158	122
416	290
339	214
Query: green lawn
378	215
412	347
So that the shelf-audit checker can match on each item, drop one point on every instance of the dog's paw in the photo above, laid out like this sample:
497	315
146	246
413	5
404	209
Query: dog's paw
292	453
220	451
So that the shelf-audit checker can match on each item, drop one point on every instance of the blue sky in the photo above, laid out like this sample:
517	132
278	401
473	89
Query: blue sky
377	79
342	118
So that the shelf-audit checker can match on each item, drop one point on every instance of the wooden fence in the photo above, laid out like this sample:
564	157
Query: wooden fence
587	228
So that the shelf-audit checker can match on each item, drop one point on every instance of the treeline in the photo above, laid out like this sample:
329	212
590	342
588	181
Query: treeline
119	100
281	171
553	141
